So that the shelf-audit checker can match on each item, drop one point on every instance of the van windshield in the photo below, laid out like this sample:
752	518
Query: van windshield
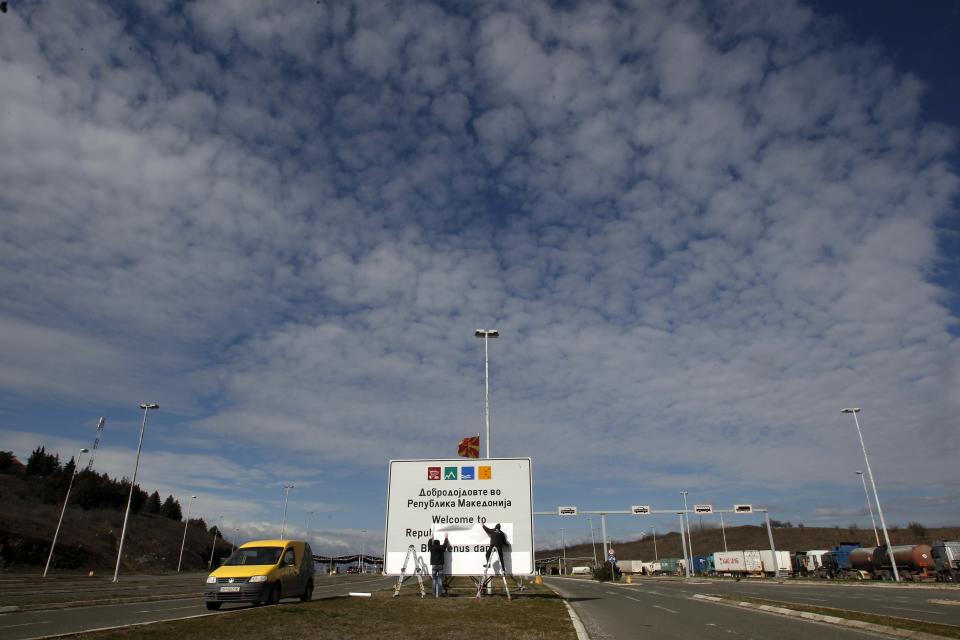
254	555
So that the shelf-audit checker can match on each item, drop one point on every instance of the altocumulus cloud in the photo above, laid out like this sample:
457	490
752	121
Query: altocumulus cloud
701	229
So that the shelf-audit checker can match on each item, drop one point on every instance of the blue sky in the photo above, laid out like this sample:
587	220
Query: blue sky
701	229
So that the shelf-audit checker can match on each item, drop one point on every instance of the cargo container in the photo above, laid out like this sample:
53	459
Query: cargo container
783	566
630	566
946	557
753	562
671	566
729	563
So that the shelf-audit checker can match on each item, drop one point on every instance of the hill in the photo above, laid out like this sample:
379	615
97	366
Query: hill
709	539
89	538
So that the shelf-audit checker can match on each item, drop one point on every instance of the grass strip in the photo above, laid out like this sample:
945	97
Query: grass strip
534	614
910	624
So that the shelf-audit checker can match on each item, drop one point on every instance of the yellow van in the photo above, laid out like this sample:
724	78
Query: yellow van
263	571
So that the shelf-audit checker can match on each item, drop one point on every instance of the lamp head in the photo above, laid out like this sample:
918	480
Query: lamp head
487	333
149	405
84	450
850	410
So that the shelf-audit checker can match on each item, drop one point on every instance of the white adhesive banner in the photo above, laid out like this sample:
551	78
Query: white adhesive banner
457	498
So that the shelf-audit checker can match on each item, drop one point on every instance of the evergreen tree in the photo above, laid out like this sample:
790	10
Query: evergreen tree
171	509
153	503
9	462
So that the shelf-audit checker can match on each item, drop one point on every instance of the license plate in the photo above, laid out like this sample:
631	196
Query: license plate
229	589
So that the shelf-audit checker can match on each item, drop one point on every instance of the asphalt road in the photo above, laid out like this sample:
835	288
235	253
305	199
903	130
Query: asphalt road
666	610
38	624
900	602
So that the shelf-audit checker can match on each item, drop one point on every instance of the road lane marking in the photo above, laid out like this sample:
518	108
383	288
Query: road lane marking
664	608
24	624
634	599
612	593
809	598
936	613
191	606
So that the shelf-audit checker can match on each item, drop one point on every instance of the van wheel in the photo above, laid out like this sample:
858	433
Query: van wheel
214	606
307	595
273	595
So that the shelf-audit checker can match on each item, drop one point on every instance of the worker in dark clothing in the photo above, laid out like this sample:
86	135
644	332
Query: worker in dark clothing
437	560
498	539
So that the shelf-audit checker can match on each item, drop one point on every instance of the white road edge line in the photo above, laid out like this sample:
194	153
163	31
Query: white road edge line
577	624
24	624
631	598
189	606
664	608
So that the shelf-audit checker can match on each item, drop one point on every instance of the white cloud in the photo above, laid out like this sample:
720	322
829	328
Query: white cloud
286	227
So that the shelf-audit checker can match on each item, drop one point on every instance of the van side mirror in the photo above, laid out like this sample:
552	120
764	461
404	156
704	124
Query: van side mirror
288	559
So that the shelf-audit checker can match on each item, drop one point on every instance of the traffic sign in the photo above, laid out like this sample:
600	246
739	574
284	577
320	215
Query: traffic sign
743	508
639	510
703	508
612	559
567	511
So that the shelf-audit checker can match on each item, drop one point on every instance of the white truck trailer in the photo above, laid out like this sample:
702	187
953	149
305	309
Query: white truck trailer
783	565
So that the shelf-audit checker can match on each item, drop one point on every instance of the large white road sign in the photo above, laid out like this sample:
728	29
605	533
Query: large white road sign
457	498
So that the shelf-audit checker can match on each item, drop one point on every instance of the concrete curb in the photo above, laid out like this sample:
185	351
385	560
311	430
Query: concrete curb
816	617
574	618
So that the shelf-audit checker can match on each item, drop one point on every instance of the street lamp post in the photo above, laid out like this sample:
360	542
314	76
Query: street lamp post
147	407
686	563
593	543
76	466
687	522
186	522
876	496
486	334
723	531
286	496
309	515
233	541
656	558
563	548
866	495
363	532
213	548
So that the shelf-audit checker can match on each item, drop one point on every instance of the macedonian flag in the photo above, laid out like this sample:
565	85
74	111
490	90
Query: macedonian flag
469	447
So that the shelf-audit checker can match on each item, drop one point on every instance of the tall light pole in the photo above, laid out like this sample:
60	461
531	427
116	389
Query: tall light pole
723	531
233	541
309	515
686	563
656	558
76	467
286	496
593	542
486	334
876	496
213	548
686	520
147	407
363	532
563	547
186	523
866	495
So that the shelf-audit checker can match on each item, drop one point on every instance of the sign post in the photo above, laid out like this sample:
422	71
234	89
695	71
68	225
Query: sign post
456	499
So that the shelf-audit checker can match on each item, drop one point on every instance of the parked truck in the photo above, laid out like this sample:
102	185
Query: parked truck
946	557
914	561
630	566
782	566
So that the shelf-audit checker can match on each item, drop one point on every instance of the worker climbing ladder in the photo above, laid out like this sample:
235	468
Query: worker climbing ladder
419	570
486	579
